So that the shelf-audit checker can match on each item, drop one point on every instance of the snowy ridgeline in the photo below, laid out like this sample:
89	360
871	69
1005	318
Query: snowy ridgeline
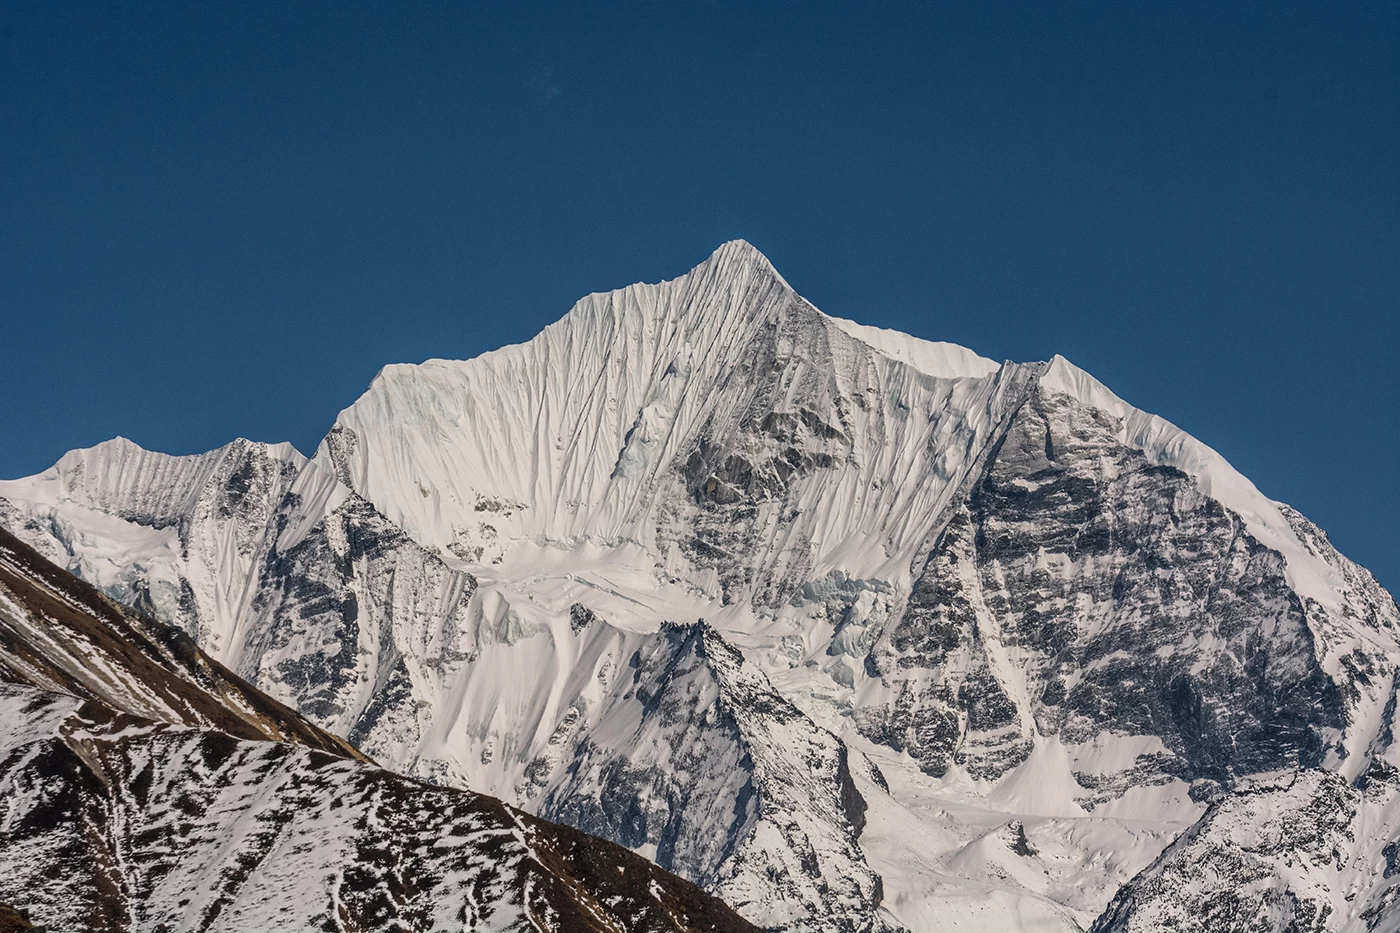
980	640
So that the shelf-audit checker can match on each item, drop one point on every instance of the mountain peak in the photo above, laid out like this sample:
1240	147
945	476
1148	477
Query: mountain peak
734	280
740	258
742	252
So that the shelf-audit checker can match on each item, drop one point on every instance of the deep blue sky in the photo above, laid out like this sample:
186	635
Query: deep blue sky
221	219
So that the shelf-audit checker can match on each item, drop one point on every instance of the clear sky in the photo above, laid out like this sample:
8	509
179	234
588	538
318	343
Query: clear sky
221	219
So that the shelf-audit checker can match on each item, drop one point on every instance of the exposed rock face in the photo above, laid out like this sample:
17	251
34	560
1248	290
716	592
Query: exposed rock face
141	789
1300	851
702	763
1083	589
1028	602
344	620
114	823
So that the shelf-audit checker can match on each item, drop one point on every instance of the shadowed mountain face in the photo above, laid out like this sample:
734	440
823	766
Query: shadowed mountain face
978	640
143	786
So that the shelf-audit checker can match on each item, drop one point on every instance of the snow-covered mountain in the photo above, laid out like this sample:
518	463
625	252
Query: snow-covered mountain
144	787
979	640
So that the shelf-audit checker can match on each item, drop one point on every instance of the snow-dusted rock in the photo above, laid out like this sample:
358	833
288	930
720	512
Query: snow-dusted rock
702	765
1296	851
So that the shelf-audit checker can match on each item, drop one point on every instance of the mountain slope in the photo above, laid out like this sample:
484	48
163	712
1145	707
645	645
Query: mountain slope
704	765
1291	852
142	786
59	635
1032	629
277	570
